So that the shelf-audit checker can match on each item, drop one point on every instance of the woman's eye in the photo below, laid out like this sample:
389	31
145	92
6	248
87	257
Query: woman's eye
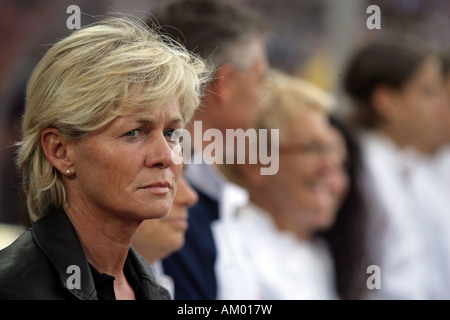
312	148
175	135
133	133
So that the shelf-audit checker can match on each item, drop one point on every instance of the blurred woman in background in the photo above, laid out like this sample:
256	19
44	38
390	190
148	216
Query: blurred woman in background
288	211
348	237
397	91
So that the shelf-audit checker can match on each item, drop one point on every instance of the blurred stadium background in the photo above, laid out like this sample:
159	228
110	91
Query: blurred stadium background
311	38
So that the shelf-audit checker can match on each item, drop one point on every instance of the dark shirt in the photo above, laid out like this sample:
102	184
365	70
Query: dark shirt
104	283
192	267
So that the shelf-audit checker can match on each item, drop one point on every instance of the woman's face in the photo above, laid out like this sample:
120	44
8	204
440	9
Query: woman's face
444	116
125	168
310	178
417	107
157	238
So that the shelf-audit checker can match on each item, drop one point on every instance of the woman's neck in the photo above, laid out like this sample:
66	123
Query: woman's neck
105	240
402	141
281	214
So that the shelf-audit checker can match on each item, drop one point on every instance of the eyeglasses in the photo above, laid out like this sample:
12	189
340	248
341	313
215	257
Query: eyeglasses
316	150
309	149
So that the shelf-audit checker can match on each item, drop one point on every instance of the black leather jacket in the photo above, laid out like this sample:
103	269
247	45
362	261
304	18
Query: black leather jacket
36	265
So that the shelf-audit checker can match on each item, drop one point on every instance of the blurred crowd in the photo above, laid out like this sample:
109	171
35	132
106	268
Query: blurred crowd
360	205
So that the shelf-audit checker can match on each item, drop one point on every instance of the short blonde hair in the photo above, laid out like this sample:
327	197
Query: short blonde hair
114	67
284	96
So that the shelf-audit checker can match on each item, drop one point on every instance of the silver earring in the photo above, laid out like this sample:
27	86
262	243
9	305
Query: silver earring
67	171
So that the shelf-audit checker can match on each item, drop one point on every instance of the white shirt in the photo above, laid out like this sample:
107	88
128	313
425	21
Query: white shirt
234	275
442	165
287	268
439	170
401	184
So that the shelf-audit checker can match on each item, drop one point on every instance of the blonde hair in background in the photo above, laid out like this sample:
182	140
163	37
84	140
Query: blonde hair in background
114	67
285	96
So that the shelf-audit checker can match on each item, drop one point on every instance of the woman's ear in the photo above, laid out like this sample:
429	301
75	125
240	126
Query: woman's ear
222	84
55	149
251	173
384	102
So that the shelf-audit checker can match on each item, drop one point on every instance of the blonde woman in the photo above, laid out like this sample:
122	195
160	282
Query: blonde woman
287	210
96	156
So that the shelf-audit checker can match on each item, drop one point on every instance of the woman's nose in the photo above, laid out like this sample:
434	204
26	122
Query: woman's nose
185	195
159	152
330	160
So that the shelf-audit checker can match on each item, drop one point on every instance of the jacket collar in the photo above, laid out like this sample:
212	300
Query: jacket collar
151	289
56	237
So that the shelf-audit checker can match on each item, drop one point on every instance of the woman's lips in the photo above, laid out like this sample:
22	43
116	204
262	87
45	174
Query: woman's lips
319	187
180	223
178	217
158	188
